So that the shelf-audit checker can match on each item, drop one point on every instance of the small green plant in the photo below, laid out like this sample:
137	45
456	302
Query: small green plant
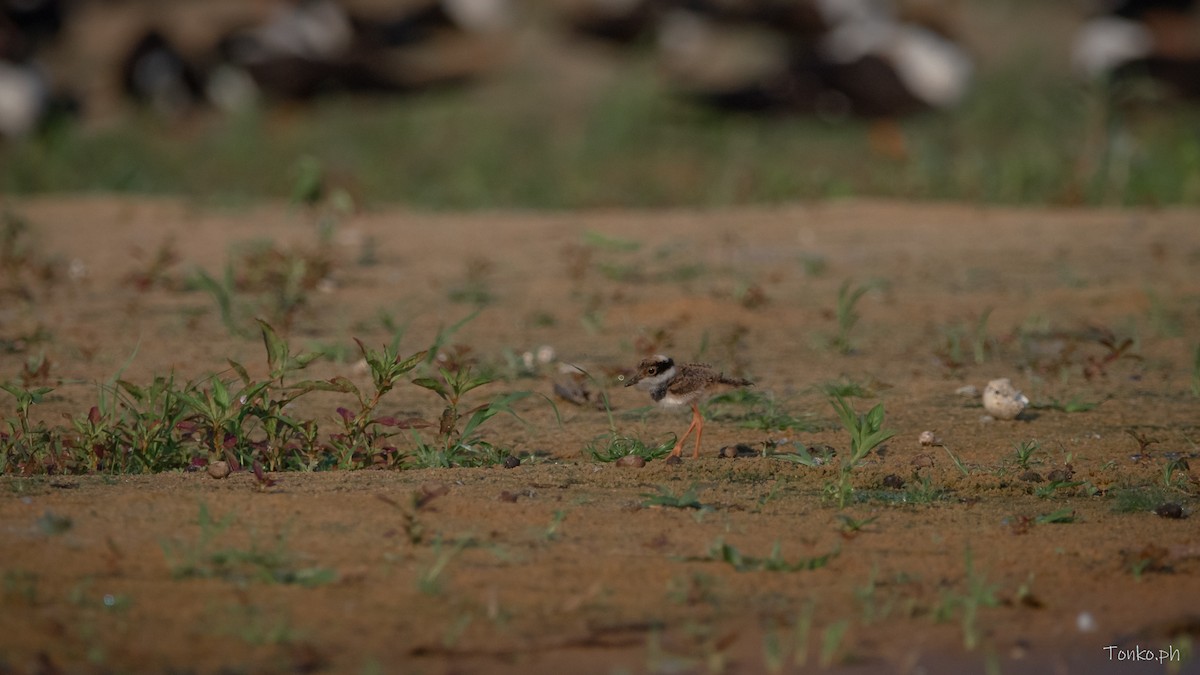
1024	452
923	491
218	412
845	388
803	630
954	459
872	610
1076	404
457	443
754	410
272	563
831	641
1139	499
852	526
1170	468
364	434
430	581
723	552
847	315
25	443
688	499
551	532
866	433
1063	515
978	594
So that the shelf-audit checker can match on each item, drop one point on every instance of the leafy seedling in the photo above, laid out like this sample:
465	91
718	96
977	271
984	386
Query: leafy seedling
1024	452
364	433
866	433
852	526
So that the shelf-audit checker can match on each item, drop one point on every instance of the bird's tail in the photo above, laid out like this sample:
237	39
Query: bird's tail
734	381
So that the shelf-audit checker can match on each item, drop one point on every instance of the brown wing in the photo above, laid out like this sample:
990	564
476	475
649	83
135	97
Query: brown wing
692	376
705	373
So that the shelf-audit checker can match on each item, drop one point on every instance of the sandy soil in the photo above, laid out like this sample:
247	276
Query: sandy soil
562	562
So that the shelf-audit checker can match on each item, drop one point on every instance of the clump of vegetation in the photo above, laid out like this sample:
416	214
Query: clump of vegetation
246	422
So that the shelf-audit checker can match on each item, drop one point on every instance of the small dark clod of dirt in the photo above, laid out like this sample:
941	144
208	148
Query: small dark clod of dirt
1060	475
511	462
922	461
739	450
510	497
674	460
1031	477
893	481
635	461
1169	510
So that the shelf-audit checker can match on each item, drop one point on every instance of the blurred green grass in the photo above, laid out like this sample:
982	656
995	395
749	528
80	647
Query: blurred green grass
1020	138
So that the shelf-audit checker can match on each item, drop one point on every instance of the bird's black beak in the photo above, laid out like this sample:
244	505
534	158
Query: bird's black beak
632	381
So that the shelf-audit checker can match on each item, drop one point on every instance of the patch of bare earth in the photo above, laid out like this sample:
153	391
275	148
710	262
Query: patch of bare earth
562	563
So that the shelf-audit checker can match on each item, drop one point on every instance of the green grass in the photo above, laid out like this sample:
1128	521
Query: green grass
269	562
637	145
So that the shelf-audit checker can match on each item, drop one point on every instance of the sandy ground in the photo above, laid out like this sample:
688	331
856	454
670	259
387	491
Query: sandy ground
564	563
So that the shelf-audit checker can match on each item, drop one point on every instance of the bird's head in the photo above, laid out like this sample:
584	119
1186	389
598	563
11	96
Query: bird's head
652	371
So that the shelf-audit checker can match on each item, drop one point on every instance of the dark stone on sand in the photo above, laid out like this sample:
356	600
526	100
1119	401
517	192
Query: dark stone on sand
1169	510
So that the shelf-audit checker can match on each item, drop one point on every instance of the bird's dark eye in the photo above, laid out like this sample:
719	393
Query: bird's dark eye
653	370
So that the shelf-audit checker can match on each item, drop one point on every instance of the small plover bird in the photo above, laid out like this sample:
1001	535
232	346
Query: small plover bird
673	385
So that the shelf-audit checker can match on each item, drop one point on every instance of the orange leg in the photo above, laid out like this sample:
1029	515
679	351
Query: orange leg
679	444
698	421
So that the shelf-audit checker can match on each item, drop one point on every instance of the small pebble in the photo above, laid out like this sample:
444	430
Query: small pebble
1085	622
218	469
673	460
511	462
1169	510
635	461
434	489
922	461
893	481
